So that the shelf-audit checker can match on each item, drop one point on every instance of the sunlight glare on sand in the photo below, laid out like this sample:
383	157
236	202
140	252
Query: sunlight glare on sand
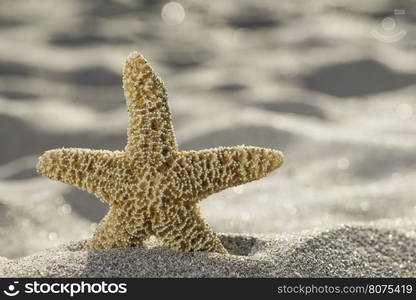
52	236
343	163
404	111
239	189
65	209
173	13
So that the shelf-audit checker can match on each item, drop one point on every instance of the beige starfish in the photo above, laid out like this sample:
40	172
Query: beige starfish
152	188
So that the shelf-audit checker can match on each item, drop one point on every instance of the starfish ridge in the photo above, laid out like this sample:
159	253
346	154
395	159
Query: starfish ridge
152	188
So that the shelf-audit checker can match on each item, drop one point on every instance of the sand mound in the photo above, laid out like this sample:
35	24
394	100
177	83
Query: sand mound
347	251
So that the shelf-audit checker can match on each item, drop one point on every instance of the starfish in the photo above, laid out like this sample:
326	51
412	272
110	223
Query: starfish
152	188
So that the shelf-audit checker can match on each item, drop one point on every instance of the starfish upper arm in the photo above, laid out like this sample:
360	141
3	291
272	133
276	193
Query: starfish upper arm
217	169
150	130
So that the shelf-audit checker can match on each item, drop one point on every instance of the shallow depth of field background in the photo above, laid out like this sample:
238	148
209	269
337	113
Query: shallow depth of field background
330	83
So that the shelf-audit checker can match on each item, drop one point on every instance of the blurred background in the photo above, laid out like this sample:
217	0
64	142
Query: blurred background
330	83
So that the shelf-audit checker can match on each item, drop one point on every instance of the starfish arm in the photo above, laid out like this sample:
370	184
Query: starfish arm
150	131
217	169
89	170
182	228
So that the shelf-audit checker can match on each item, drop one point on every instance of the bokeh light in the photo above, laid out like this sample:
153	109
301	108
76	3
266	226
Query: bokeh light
173	13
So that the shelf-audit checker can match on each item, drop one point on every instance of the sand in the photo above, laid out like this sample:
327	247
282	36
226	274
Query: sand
347	251
316	79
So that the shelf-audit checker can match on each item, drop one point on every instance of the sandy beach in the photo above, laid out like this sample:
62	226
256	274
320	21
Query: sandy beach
347	251
330	84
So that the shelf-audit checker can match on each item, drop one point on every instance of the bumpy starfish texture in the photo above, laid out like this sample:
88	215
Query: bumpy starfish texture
152	188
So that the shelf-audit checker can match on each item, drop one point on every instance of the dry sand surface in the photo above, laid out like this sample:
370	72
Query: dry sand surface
349	251
332	84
